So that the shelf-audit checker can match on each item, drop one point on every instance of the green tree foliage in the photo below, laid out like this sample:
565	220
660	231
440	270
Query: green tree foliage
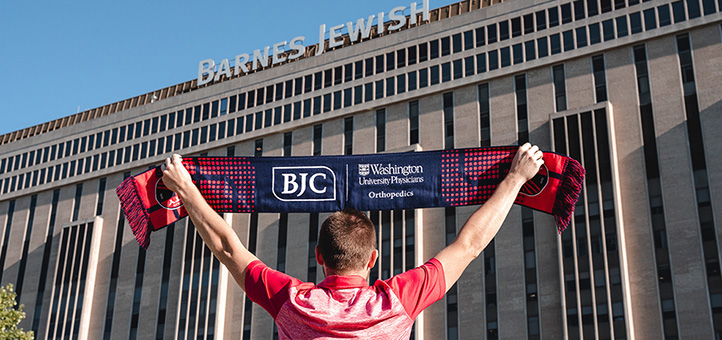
11	317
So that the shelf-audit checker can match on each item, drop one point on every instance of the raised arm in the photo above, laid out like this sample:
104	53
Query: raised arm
485	222
216	233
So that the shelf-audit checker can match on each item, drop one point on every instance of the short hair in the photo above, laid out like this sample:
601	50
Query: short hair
346	240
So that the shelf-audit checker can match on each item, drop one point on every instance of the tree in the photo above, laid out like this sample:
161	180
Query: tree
11	317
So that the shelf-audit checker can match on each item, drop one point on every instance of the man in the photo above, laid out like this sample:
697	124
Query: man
344	305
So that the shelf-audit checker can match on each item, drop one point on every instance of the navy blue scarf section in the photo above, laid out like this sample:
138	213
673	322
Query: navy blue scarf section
441	178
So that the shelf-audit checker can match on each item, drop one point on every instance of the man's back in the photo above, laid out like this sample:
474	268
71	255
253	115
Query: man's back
345	306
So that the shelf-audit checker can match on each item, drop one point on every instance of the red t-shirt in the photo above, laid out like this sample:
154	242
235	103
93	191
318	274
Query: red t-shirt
345	306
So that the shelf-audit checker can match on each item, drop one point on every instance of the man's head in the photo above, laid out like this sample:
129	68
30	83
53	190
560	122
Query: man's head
347	241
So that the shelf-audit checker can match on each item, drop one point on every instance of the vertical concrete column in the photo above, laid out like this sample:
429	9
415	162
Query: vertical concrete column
635	249
397	125
18	231
580	84
364	132
540	88
466	117
432	220
707	54
508	242
678	194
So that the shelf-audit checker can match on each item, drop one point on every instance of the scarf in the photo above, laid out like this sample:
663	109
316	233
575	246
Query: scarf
443	178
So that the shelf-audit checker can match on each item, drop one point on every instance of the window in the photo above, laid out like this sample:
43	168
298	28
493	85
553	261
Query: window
650	20
600	82
380	130
348	135
359	69
456	42
448	108
566	13
594	34
287	143
559	87
515	27
518	54
503	30
423	52
635	20
568	37
484	118
622	27
556	44
434	73
521	108
530	50
413	122
578	10
581	36
480	37
317	140
553	16
445	46
434	49
493	60
542	47
491	31
412	80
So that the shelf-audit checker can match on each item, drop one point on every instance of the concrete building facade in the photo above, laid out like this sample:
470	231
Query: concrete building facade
631	89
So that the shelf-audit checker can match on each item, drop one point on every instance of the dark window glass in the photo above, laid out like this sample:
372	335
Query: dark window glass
368	92
359	68
595	36
379	64
401	58
468	40
530	50
505	56
581	36
423	52
412	80
515	27
553	16
491	31
709	7
518	55
529	23
445	46
413	122
268	118
635	20
469	66
434	49
317	80
503	30
456	43
650	20
608	28
390	61
619	4
541	20
307	83
542	47
327	102
423	78
622	27
568	37
493	60
306	108
401	83
592	9
559	87
434	73
369	66
566	13
287	113
327	78
336	103
480	36
693	10
600	82
380	130
664	18
445	72
448	108
412	55
579	10
678	11
348	72
379	89
316	105
484	115
606	6
556	44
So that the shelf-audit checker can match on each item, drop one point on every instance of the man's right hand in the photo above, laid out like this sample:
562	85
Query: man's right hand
175	175
527	162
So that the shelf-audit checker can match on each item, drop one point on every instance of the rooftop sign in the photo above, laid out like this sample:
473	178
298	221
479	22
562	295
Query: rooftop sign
209	71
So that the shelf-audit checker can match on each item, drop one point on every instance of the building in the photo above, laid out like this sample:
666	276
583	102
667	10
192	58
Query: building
631	89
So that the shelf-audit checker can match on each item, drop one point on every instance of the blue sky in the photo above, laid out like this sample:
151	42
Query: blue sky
59	58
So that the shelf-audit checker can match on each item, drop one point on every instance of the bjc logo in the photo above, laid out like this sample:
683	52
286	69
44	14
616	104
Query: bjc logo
304	183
